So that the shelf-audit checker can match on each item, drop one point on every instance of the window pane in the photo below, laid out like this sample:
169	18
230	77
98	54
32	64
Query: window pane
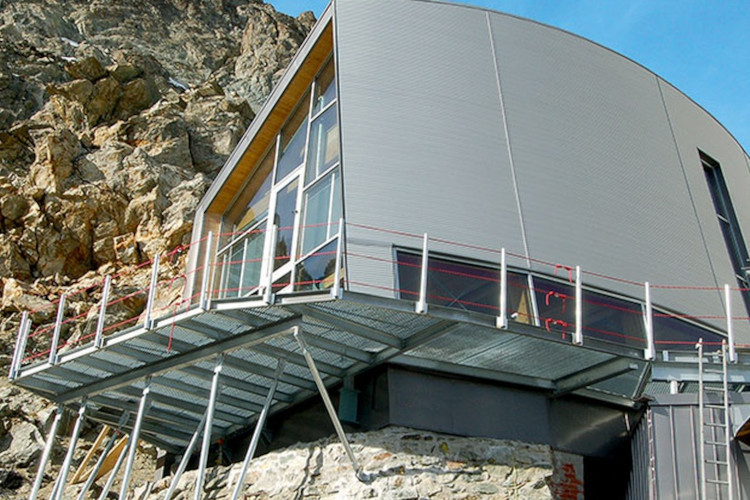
251	204
233	270
325	87
292	148
286	204
252	261
613	320
322	209
315	226
317	271
556	304
324	144
674	334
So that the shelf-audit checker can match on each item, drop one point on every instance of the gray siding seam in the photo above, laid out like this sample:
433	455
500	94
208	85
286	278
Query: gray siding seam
673	440
690	192
507	140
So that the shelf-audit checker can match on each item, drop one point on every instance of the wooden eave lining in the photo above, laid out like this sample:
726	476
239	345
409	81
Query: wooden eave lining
266	134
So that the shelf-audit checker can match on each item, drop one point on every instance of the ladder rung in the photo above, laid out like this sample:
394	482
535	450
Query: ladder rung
715	462
715	443
714	405
717	481
714	389
714	371
715	424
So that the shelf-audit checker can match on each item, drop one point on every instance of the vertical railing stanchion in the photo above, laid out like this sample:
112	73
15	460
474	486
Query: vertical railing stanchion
134	436
650	351
336	289
56	332
421	306
99	336
502	317
151	292
270	261
46	453
205	297
578	334
206	445
730	329
17	354
22	348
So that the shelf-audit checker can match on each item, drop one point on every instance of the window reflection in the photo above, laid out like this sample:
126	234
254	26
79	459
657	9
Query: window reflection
292	147
317	272
286	204
322	207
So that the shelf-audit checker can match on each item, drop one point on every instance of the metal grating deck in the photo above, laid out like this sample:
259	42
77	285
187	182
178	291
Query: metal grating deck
345	336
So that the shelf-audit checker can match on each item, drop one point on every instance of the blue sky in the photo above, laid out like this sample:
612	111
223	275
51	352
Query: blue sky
700	46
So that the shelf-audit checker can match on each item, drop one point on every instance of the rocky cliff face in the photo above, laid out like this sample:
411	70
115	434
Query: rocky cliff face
114	118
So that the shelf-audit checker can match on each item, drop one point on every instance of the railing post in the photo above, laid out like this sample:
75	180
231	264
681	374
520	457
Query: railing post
99	337
62	478
730	329
205	296
270	260
151	292
336	289
578	335
45	454
421	306
207	430
650	351
502	317
17	352
56	332
134	436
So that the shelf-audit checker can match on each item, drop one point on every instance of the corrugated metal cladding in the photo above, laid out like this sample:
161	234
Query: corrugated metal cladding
590	172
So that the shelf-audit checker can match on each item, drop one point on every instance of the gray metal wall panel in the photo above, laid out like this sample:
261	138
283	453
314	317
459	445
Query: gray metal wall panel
600	180
638	486
598	172
423	141
694	130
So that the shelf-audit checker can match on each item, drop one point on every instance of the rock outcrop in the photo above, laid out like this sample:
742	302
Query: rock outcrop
114	119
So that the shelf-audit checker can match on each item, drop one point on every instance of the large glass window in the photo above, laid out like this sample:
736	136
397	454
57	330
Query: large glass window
301	191
461	285
324	144
322	211
292	141
325	88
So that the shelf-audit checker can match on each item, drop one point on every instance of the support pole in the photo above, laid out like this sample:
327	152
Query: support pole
336	288
502	317
578	334
151	292
134	435
205	297
327	401
17	351
46	453
650	351
421	306
185	458
258	429
99	336
95	470
112	475
730	329
207	430
56	332
62	478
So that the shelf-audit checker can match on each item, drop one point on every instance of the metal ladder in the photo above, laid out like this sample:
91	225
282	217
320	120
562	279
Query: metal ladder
715	430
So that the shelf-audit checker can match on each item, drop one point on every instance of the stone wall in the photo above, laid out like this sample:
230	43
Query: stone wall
398	463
